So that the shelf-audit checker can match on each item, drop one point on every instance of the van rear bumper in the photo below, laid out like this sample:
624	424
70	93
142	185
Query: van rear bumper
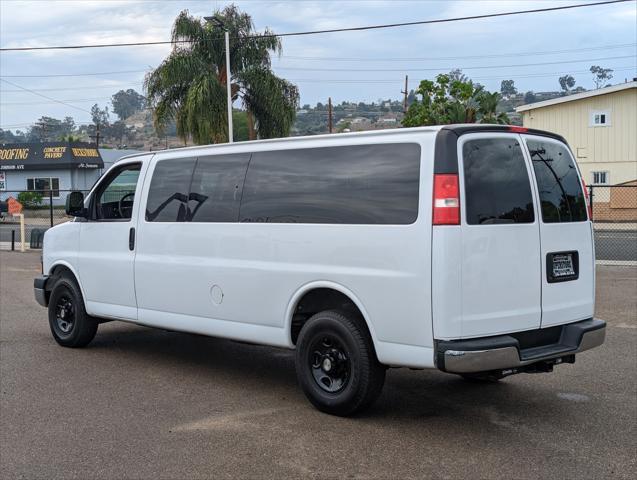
514	351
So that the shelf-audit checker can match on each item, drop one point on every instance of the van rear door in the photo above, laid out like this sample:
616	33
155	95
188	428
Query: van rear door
500	247
565	233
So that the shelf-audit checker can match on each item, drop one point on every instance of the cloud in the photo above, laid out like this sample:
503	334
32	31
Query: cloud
40	23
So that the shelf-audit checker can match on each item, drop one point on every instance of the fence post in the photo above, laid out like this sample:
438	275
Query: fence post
13	240
51	205
590	199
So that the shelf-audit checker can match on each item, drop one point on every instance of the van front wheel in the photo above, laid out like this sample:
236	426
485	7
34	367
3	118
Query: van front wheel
70	325
336	364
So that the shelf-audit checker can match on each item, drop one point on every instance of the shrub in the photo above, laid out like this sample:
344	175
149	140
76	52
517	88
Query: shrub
30	199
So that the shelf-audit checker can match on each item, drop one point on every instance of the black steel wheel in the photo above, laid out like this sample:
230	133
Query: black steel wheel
336	364
70	325
330	364
64	314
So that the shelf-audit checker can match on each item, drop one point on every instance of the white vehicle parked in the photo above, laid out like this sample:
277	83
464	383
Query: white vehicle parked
463	248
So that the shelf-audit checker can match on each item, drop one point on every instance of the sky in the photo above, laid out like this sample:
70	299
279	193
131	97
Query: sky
534	50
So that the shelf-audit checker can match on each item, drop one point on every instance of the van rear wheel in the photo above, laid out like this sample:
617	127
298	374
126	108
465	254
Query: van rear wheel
70	325
336	364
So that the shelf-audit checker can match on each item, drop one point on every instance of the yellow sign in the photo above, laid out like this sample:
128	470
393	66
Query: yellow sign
54	152
85	152
14	154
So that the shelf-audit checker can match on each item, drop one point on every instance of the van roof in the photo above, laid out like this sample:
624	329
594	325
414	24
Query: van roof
458	129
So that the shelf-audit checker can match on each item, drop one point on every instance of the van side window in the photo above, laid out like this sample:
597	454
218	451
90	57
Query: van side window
559	186
497	185
115	196
215	191
168	193
359	184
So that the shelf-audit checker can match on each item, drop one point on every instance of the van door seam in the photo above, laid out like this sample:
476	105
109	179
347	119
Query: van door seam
243	186
137	220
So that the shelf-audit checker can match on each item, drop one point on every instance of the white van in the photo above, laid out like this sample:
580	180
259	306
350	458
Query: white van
463	248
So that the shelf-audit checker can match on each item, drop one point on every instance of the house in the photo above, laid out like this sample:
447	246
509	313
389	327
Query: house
599	125
53	168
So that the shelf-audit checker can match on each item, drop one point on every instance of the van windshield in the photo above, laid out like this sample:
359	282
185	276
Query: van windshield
561	196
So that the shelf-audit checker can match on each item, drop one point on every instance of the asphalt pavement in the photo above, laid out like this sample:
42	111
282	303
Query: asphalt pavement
144	403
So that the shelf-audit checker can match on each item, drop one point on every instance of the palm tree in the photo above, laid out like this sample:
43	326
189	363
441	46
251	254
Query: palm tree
487	105
189	86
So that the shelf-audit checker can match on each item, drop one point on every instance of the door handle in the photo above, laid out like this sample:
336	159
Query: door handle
131	239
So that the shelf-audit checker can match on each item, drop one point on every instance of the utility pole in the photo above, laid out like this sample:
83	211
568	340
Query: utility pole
406	91
228	87
217	21
329	114
97	135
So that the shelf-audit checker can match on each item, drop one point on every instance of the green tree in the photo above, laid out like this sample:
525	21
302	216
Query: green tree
443	101
127	102
529	97
190	84
117	131
7	136
446	101
240	128
487	109
601	75
457	75
100	116
70	138
507	88
49	129
566	83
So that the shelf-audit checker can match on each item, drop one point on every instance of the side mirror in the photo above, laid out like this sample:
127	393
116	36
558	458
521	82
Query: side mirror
75	205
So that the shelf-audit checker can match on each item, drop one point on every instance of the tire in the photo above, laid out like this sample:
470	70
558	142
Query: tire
336	365
70	325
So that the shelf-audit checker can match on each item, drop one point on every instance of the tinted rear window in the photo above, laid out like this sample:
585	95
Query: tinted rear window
215	192
497	186
558	184
168	193
364	184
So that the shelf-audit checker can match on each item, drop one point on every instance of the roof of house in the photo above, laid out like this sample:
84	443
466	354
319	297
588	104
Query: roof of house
577	96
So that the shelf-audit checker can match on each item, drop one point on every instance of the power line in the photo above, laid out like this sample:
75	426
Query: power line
333	30
310	69
43	96
48	124
441	69
73	74
66	89
321	80
394	80
466	57
72	100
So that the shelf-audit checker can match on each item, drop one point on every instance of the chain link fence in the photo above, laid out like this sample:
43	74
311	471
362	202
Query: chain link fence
615	223
614	220
41	209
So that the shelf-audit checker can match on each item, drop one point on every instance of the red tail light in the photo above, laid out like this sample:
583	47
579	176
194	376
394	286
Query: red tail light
517	129
589	207
446	207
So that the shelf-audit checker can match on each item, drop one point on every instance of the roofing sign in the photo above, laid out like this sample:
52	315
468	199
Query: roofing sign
44	156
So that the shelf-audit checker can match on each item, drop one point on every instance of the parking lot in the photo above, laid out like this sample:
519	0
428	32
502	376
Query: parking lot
142	403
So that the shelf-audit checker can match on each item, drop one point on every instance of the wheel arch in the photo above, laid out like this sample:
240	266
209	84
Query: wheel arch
58	268
323	285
